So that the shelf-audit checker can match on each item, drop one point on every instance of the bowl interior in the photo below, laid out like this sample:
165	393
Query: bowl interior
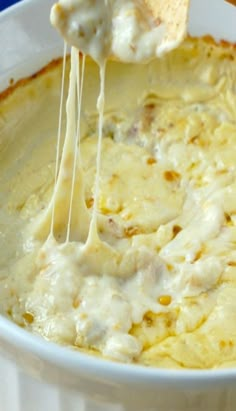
26	47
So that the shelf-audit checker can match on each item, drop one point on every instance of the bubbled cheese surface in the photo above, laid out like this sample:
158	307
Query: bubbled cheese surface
162	292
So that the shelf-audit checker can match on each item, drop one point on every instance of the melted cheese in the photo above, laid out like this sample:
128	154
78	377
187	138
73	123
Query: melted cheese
158	284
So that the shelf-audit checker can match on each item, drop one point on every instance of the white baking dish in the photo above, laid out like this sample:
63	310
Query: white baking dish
40	376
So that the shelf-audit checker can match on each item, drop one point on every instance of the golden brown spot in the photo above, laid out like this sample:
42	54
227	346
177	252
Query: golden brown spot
209	39
232	2
226	56
169	322
131	231
169	266
148	116
194	139
151	96
222	344
76	302
232	263
28	317
225	43
148	319
221	172
20	206
151	160
149	106
228	219
9	312
165	300
176	230
59	10
11	81
198	255
171	175
89	202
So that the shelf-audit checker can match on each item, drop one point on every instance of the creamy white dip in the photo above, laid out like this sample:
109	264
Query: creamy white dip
153	279
91	292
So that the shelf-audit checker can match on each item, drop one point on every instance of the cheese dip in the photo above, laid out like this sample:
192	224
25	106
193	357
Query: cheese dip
157	285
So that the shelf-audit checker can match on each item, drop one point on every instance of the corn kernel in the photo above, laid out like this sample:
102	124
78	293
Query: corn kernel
165	299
